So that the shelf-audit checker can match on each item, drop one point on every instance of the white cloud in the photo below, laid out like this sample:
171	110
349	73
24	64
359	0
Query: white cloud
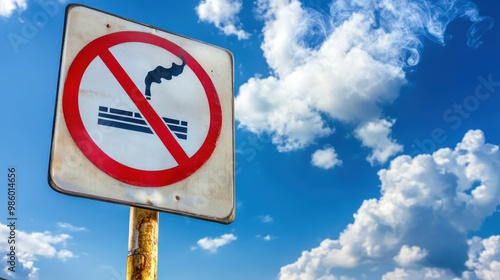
30	246
376	135
64	255
410	255
313	264
70	227
223	14
326	158
483	264
7	7
425	273
213	244
265	237
484	258
266	219
285	23
354	66
427	207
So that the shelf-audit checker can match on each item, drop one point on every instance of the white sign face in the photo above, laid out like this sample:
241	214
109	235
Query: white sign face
144	118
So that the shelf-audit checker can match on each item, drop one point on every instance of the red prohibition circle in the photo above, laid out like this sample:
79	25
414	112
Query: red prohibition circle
137	177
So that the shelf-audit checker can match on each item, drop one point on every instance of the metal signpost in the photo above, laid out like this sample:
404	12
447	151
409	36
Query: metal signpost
143	118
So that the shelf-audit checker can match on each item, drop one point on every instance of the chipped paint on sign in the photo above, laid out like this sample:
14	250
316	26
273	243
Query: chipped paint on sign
140	122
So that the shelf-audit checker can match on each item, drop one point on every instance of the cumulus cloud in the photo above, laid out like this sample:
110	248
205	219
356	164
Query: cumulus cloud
484	259
7	7
31	246
223	14
425	273
213	244
410	255
326	158
428	205
483	264
376	135
355	65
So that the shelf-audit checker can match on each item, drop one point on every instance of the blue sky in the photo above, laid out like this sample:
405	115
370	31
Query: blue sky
366	143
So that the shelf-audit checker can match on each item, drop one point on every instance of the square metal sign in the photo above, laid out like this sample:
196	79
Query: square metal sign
144	117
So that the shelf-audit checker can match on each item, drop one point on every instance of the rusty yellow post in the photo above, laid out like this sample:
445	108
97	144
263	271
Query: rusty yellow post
142	258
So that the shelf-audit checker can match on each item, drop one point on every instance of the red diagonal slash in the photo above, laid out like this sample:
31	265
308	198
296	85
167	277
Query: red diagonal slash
154	120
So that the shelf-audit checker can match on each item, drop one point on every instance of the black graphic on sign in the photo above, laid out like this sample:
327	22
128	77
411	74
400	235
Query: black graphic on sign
133	121
160	72
129	120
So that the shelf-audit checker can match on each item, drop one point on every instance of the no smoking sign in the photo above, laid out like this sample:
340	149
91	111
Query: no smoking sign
144	117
